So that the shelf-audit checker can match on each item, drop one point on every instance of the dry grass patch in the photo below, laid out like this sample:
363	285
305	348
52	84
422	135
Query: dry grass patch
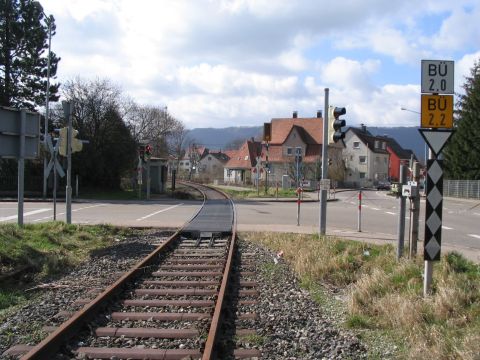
387	296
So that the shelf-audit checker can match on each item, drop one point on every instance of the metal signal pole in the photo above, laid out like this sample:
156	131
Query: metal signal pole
323	193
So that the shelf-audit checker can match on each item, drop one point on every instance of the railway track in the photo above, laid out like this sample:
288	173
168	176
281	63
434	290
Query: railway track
180	302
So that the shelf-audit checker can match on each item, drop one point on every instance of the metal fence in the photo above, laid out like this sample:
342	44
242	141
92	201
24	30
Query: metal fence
468	189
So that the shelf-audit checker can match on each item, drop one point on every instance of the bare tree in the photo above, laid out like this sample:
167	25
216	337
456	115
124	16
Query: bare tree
155	124
97	116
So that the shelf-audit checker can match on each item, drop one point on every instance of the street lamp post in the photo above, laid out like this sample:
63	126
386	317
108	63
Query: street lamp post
49	20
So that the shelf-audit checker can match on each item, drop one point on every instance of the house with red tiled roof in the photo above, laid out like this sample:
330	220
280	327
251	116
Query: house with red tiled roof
240	168
301	139
398	156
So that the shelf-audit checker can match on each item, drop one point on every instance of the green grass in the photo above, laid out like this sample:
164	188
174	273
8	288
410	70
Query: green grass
385	296
41	250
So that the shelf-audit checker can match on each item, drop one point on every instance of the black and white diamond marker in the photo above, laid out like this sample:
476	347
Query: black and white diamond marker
433	211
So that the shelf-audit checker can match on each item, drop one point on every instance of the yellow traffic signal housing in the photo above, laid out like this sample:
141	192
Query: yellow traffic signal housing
77	144
62	145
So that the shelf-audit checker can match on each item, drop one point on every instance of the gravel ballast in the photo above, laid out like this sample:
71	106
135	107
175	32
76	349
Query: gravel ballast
289	324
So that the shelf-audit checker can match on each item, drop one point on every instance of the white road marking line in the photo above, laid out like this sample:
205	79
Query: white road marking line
88	207
6	218
446	227
388	212
375	209
475	236
62	213
476	214
158	212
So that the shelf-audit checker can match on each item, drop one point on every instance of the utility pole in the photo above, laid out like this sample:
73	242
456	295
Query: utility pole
323	192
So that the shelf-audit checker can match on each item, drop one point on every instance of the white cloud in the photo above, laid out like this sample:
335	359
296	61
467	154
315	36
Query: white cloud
242	62
463	69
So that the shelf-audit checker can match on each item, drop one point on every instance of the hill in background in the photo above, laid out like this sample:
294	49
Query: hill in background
219	139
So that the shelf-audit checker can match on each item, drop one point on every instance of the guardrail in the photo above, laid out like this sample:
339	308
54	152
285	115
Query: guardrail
468	189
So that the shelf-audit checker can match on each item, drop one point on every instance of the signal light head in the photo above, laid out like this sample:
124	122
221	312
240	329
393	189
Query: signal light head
336	124
338	111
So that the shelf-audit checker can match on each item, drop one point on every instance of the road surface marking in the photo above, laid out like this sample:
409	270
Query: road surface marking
62	213
475	236
88	207
476	214
388	212
375	209
6	218
446	227
158	212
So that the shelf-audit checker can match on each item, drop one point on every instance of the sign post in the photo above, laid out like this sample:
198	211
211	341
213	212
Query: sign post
437	124
19	139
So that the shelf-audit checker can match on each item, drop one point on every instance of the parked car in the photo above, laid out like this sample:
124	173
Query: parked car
384	185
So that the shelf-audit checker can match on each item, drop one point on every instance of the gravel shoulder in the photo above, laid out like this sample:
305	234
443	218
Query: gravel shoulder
290	323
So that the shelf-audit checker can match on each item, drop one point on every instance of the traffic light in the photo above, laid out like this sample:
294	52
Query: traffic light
62	141
335	124
77	144
148	151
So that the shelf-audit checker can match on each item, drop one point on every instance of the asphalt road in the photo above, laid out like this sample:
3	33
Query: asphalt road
460	231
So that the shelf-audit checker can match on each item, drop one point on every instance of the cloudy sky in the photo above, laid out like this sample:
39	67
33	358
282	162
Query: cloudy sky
220	63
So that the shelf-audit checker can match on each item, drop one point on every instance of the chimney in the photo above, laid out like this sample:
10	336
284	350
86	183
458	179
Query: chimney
295	114
319	113
252	139
364	127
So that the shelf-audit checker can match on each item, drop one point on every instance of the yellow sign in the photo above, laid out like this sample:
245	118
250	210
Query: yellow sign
437	111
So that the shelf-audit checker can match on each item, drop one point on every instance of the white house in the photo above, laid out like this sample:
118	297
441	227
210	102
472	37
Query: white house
366	158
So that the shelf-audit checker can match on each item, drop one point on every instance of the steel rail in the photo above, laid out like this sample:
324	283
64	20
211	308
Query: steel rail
208	352
52	343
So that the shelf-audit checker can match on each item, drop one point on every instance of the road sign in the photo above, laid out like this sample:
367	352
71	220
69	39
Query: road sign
437	76
436	139
433	210
437	111
10	133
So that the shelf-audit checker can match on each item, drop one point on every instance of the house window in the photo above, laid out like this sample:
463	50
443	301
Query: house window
214	166
362	159
298	151
377	144
246	157
384	145
356	144
289	151
181	163
362	175
351	157
187	163
209	158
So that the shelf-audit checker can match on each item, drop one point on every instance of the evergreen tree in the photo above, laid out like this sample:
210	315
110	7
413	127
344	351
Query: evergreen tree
24	54
462	154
